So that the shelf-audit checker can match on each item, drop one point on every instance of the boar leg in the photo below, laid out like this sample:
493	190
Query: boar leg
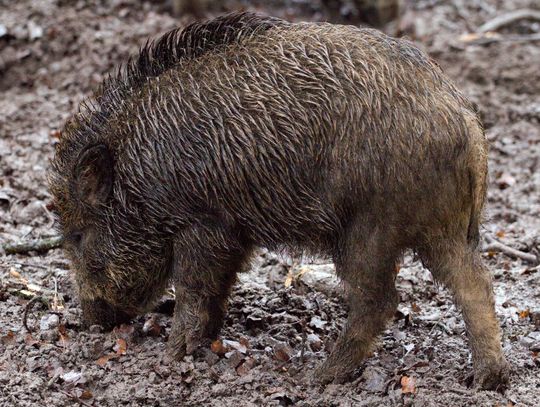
203	280
461	269
367	269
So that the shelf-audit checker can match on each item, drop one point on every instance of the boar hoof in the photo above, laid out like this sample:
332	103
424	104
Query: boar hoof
183	344
328	373
493	377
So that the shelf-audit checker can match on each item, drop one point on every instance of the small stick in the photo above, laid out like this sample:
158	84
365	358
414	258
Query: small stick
485	39
38	245
508	18
465	392
304	339
495	245
38	266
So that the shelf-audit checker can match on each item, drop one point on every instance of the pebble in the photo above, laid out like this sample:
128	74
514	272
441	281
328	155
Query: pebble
44	324
315	342
531	341
34	31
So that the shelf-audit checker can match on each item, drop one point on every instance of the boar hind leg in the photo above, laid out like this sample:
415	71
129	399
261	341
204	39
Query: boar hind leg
367	268
203	279
460	268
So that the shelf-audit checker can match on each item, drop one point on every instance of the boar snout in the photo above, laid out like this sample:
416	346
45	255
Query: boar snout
100	312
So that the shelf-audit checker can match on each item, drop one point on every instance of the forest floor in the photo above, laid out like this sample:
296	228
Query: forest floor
54	52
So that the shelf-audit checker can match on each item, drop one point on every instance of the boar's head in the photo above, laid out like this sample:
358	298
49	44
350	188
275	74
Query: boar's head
119	264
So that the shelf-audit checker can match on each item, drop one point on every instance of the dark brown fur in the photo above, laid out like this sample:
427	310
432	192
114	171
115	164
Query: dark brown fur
249	131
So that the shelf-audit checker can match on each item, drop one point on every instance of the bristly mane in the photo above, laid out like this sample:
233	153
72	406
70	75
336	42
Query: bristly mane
187	43
156	57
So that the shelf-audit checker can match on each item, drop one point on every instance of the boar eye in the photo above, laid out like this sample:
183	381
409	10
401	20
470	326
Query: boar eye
75	238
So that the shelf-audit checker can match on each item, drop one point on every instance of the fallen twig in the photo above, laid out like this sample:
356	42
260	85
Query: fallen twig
465	392
38	245
304	339
438	322
490	37
496	246
508	18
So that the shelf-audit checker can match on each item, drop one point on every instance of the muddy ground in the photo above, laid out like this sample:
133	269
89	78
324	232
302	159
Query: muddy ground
54	52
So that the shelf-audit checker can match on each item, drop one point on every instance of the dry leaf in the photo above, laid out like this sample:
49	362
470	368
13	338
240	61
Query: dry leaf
30	341
282	352
34	287
121	346
9	338
234	345
86	395
408	385
524	314
245	367
64	338
14	273
288	280
151	327
102	361
218	348
292	276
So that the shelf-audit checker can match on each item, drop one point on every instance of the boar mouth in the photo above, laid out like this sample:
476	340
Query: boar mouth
101	312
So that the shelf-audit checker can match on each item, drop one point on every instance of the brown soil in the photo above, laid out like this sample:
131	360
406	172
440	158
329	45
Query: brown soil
54	52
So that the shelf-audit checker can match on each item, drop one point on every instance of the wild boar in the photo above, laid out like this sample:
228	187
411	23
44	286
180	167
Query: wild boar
249	131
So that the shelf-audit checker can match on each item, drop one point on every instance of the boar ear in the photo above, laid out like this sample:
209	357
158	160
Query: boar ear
94	174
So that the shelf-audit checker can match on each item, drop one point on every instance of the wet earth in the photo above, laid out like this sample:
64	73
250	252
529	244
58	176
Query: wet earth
284	315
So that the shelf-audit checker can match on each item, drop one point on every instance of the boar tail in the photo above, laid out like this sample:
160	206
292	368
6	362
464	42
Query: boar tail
477	177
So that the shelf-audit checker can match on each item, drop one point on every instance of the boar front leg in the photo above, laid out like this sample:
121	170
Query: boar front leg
366	264
206	264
